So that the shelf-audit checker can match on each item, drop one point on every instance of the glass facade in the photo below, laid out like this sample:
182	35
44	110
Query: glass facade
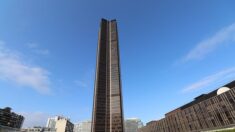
107	107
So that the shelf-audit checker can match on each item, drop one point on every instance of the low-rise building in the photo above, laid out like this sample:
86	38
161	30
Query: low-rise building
60	123
38	129
64	125
84	126
133	124
10	121
214	110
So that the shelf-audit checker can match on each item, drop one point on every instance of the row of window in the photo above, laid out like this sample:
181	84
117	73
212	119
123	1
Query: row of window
217	111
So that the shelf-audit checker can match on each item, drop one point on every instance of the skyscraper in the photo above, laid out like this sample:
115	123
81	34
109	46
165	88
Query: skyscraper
107	106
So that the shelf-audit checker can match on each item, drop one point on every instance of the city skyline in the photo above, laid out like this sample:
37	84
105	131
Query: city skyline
171	52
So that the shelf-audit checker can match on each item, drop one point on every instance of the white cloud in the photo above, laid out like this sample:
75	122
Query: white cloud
227	34
34	119
32	45
36	49
226	74
42	51
14	69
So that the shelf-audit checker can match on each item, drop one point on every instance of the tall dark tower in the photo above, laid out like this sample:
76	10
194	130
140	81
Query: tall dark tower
107	107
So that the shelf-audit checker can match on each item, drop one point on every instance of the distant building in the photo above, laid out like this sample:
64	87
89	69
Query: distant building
210	111
84	126
10	121
61	124
133	124
76	127
39	129
52	121
64	125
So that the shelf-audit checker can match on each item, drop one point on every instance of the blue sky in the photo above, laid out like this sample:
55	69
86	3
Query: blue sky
171	52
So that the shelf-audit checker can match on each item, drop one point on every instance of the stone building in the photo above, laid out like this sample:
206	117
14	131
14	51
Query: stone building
60	124
208	111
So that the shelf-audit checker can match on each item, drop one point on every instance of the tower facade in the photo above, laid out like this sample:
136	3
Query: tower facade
107	106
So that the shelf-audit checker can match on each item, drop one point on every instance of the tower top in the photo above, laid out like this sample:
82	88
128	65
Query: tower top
103	19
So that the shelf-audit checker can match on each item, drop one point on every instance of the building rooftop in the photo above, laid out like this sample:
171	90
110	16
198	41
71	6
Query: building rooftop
203	97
